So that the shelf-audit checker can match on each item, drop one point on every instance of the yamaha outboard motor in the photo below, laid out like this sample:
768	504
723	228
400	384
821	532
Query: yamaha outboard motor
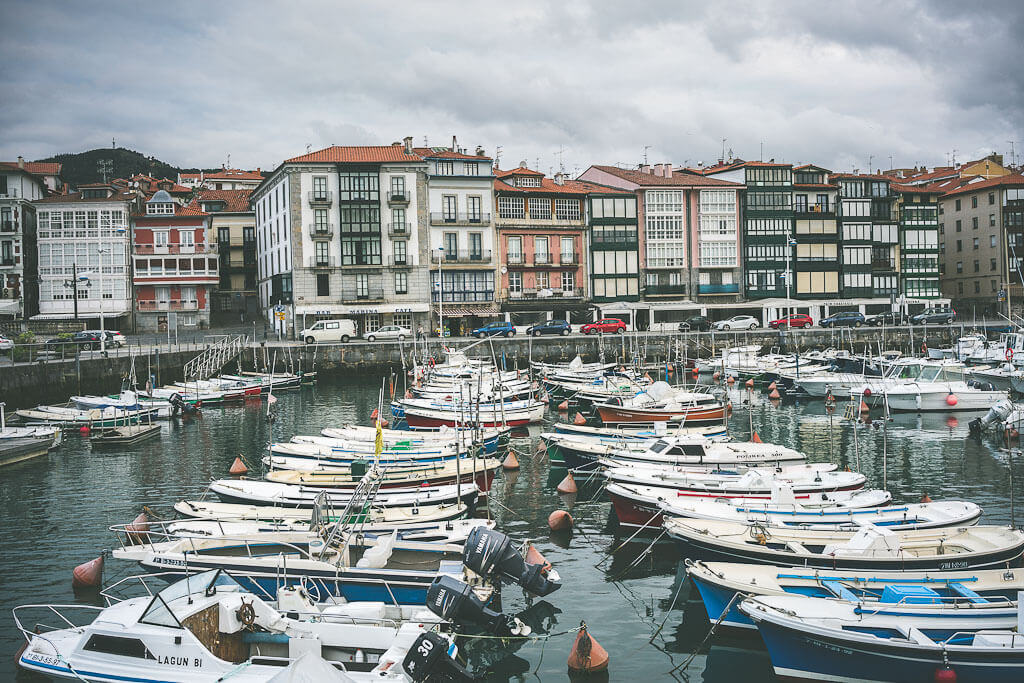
428	659
180	406
454	601
996	414
490	554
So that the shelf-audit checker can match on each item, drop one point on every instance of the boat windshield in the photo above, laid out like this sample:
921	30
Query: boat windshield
929	373
952	375
906	371
158	612
659	445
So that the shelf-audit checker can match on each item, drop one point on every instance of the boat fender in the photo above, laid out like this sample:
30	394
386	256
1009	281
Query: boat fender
511	462
88	575
945	674
560	520
587	655
567	485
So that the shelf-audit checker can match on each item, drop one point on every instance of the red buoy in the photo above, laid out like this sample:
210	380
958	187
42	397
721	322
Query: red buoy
717	376
926	498
375	414
755	438
750	383
88	574
544	398
408	394
731	380
511	462
533	556
696	372
136	531
559	520
567	485
238	467
563	406
383	423
587	655
945	675
951	400
579	419
84	429
772	386
864	407
775	395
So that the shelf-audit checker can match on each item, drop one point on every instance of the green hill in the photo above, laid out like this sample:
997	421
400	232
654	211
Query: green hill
82	167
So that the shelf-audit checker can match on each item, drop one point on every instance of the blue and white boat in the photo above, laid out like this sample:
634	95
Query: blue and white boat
723	585
834	640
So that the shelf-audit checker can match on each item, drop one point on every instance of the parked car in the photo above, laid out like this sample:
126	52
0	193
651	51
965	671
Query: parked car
737	322
86	339
116	338
606	325
697	323
887	318
326	331
5	343
561	327
496	329
388	332
942	316
794	320
844	319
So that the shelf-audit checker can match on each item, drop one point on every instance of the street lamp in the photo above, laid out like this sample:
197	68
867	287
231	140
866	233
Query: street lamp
440	295
788	276
73	285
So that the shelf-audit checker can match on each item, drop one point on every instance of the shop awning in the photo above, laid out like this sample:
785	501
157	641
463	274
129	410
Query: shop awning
82	315
9	306
361	309
463	311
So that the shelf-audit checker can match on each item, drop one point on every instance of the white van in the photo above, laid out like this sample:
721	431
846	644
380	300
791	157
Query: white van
325	331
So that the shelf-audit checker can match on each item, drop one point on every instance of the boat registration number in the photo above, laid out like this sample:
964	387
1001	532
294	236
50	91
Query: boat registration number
170	561
953	565
50	660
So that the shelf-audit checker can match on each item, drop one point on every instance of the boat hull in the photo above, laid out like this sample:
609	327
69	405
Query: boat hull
610	414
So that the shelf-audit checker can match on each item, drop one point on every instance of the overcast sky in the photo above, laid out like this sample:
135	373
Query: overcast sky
817	81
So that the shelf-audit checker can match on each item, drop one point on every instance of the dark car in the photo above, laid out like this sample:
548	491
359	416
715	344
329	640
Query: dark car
550	327
603	325
498	329
844	319
86	339
697	323
933	316
887	318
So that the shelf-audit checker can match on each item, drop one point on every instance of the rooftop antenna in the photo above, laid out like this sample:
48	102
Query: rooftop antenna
723	149
113	143
1013	154
425	143
560	152
890	162
309	148
762	150
105	167
870	157
536	162
954	156
646	147
497	156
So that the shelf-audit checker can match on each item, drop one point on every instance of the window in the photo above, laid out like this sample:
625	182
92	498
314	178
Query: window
718	254
540	209
542	280
664	201
857	231
958	205
515	249
884	284
769	201
397	220
451	245
817	282
320	188
974	202
977	266
476	242
816	252
959	245
991	198
470	168
515	282
857	256
362	285
160	238
116	645
398	186
884	233
976	242
993	285
992	264
527	181
568	250
992	241
401	283
610	207
399	249
358	186
187	238
567	209
977	287
959	225
974	222
991	220
959	288
445	168
856	280
959	266
804	227
322	253
323	284
474	205
403	320
540	250
224	235
449	207
855	208
766	252
511	207
568	281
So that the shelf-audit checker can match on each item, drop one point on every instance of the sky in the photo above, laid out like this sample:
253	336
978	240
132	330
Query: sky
559	84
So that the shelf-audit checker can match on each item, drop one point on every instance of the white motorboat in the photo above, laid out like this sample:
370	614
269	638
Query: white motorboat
940	388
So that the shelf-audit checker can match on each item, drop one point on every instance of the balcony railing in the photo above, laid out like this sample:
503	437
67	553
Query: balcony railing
664	290
7	226
400	261
7	262
197	248
366	294
324	198
883	264
442	218
399	229
568	259
321	262
572	293
398	197
541	259
481	256
718	289
814	207
322	230
170	305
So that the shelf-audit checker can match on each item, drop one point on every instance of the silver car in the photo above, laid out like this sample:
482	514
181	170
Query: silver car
388	332
737	322
6	344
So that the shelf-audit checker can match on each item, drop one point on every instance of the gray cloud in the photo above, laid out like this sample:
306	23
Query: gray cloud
829	82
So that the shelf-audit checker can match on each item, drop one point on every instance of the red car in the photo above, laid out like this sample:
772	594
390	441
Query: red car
795	320
604	325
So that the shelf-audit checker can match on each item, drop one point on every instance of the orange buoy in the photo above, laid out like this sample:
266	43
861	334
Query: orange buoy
775	395
88	574
730	380
671	370
567	485
408	394
559	520
544	398
587	655
136	531
511	462
579	419
864	407
563	406
375	414
750	383
772	386
926	498
238	467
696	372
533	556
383	423
951	399
755	438
717	376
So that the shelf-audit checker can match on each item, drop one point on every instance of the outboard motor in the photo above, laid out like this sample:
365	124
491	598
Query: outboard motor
490	553
996	414
454	601
180	406
429	659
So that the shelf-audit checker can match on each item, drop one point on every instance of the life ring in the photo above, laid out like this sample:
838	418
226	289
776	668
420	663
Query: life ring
1009	355
924	347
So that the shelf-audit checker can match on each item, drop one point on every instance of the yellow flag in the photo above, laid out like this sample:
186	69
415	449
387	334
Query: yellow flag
378	445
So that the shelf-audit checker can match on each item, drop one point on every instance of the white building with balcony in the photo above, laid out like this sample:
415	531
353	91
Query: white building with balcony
84	244
21	183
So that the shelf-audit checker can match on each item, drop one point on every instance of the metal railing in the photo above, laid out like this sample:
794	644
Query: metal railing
367	294
322	262
210	361
197	248
463	256
320	229
443	218
169	305
325	197
396	229
568	259
398	196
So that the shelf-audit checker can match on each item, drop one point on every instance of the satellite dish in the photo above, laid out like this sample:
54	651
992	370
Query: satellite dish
504	270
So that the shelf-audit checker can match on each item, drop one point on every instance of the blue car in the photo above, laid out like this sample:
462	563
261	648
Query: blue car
550	327
498	329
844	319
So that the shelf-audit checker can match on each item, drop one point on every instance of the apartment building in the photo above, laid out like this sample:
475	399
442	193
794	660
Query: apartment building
21	183
614	246
982	245
175	265
541	234
233	225
342	232
870	237
224	179
463	254
918	209
85	247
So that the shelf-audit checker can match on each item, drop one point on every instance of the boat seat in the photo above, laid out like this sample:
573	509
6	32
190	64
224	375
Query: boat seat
377	556
965	592
916	635
796	547
840	591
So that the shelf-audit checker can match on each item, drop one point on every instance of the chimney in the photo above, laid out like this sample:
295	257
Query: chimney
480	151
668	170
408	144
455	144
559	179
21	162
646	168
258	170
658	170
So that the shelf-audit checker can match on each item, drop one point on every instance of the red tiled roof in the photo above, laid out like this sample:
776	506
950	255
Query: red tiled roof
431	153
974	185
226	174
677	179
368	154
236	201
77	197
913	189
522	170
803	166
36	167
935	174
861	176
816	186
549	186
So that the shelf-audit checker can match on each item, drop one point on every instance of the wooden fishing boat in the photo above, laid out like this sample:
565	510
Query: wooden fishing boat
250	492
376	518
423	413
14	450
675	451
974	547
66	416
481	471
123	435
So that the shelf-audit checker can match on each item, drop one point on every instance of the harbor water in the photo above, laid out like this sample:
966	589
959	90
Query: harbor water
55	511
